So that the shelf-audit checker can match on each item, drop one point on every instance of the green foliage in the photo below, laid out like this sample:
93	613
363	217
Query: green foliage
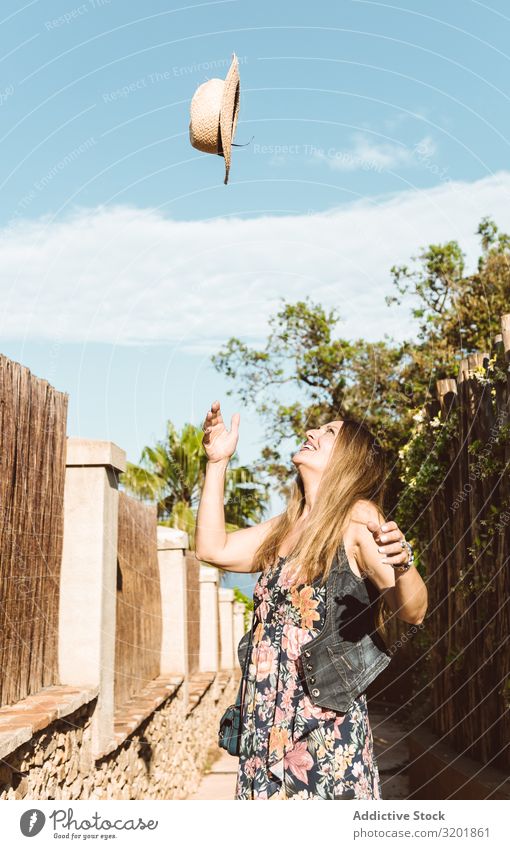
172	473
423	466
248	605
424	463
459	313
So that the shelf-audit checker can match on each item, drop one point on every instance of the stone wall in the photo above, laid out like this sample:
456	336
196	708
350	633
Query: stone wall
162	758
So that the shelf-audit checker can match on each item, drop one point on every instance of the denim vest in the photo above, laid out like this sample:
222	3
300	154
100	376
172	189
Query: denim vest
347	654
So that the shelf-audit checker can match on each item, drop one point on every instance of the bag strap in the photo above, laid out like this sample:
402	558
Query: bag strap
239	699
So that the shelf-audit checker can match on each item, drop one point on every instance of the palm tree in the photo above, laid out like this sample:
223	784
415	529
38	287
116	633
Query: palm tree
172	474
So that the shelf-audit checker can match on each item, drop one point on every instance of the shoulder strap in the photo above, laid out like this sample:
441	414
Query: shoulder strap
240	694
343	562
340	559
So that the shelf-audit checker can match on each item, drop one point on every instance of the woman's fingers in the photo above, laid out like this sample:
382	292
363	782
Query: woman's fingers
388	538
234	423
391	548
215	408
393	559
207	419
392	534
384	534
211	417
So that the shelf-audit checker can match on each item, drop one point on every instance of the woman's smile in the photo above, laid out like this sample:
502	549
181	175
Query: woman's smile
320	441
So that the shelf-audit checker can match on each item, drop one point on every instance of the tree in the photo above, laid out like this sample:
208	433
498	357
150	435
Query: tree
172	474
459	313
305	374
331	376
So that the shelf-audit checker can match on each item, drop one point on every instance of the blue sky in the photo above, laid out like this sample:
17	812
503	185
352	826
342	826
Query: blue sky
373	129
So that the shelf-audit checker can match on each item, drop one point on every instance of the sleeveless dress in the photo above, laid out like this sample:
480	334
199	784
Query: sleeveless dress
289	747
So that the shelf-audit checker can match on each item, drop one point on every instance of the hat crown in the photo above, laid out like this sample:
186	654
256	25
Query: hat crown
204	128
208	97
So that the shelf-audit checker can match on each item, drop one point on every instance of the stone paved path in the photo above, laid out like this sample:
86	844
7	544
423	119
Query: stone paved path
220	781
391	752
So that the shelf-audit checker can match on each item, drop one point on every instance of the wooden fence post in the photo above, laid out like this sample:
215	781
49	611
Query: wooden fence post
446	390
443	583
505	333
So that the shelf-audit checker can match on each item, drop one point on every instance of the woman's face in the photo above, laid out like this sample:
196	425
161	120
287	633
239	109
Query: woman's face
315	451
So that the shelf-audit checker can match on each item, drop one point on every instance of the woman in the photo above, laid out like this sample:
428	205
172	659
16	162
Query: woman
304	734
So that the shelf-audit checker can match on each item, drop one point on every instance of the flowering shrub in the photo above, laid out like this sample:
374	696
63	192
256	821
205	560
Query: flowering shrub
423	465
425	459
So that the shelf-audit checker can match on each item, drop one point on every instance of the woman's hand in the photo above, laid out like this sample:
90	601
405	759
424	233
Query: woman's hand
219	443
406	596
388	537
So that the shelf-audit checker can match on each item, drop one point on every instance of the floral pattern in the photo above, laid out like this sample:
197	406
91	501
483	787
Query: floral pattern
291	748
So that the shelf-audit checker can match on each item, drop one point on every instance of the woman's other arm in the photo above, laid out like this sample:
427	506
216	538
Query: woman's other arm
405	592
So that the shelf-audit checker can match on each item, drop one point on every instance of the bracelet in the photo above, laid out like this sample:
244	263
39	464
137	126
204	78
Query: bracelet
404	567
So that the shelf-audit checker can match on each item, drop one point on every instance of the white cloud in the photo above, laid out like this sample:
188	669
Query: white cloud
126	275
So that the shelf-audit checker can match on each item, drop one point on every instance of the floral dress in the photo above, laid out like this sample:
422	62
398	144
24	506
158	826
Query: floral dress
291	748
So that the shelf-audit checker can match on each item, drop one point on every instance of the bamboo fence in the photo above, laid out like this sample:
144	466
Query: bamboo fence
193	610
139	625
468	572
32	474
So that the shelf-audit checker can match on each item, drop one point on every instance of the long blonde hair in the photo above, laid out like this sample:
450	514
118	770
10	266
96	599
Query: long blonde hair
356	470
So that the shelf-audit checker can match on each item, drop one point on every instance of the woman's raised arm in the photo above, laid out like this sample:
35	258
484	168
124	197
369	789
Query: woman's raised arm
233	551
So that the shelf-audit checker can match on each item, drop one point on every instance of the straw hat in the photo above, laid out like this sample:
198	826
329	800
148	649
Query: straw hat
214	111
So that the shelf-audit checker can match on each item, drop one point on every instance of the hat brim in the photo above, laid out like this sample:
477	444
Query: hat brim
229	112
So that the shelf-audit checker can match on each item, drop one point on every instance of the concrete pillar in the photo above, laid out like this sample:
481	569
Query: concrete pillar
226	604
239	628
88	581
172	545
209	625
